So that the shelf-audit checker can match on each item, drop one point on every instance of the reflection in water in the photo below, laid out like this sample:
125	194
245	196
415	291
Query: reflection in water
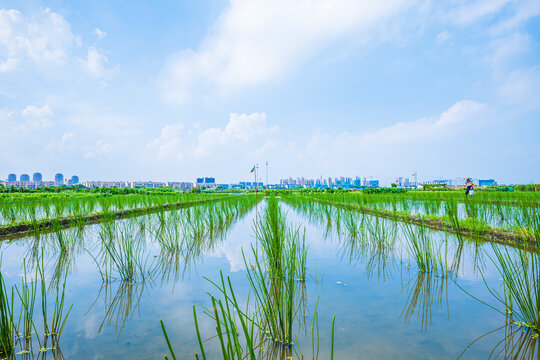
117	302
170	267
456	261
478	258
517	342
382	236
353	248
69	244
382	232
423	292
22	336
64	245
302	300
249	323
269	350
121	307
183	237
475	250
125	256
364	239
380	260
43	352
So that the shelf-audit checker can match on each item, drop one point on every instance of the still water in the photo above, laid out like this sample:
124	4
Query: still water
384	308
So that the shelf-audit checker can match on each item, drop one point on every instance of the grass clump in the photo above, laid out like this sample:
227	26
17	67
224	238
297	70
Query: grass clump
240	333
520	271
423	249
19	331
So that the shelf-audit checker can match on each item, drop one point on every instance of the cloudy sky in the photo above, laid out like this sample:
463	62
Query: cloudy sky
129	90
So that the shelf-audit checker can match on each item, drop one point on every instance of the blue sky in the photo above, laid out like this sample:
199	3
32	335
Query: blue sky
118	90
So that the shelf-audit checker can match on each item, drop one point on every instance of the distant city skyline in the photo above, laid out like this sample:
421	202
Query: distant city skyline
374	89
289	182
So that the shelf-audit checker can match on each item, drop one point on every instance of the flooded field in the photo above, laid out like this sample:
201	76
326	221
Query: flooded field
121	278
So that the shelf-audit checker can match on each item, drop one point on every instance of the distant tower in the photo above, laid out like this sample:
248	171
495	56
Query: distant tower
74	180
37	177
12	177
59	178
267	174
25	177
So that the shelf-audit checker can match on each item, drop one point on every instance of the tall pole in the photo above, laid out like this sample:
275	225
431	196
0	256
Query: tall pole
255	174
256	177
267	174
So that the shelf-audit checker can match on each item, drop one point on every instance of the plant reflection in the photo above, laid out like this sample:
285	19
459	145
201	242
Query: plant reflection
120	303
518	342
425	291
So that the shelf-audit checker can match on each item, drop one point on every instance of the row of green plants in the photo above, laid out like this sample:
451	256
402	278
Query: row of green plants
33	208
32	319
126	263
521	218
275	307
181	234
519	268
266	326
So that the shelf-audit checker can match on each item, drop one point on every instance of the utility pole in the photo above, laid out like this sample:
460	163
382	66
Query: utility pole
266	174
256	177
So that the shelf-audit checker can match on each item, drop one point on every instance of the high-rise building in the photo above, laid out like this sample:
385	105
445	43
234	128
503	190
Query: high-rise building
490	182
37	177
25	177
59	178
208	182
458	181
12	177
74	180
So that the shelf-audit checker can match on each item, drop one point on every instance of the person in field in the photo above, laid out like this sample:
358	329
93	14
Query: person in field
469	190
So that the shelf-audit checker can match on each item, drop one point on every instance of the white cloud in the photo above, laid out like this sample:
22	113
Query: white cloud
31	118
522	86
67	141
42	38
473	11
169	142
243	133
9	64
259	42
35	111
241	129
463	113
100	33
443	37
503	49
329	149
95	63
102	147
249	137
67	137
523	11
